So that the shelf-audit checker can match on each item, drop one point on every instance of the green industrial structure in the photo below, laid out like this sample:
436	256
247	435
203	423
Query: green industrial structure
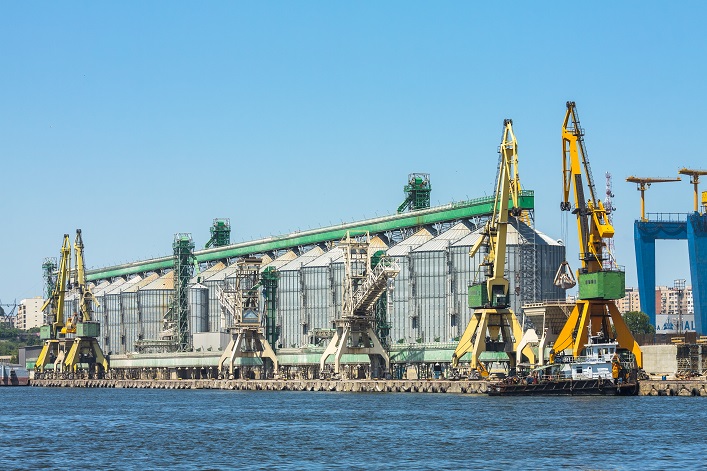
179	316
478	208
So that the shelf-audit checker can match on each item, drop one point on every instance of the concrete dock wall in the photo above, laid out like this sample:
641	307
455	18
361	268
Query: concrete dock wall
646	388
422	386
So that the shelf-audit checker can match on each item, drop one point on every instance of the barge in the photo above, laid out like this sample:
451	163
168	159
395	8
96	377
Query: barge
13	375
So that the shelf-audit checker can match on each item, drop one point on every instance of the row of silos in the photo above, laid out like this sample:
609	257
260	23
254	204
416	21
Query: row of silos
429	300
429	296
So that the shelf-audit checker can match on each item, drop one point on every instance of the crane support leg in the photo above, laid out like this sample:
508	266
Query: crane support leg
364	340
494	323
330	350
86	348
597	314
246	343
624	336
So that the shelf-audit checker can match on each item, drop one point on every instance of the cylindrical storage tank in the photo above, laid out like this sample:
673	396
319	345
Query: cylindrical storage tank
431	276
111	313
100	315
198	308
404	327
154	300
131	312
319	293
295	324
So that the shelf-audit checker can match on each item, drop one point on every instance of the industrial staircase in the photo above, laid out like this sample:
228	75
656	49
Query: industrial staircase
373	286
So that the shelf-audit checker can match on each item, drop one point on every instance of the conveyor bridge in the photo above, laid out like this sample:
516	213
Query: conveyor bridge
475	208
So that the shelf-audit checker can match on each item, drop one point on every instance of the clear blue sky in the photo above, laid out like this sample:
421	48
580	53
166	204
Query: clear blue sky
137	120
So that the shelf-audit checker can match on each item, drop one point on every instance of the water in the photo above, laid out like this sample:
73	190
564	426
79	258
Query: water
58	428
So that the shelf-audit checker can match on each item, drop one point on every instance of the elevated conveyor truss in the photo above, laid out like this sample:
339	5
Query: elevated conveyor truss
471	209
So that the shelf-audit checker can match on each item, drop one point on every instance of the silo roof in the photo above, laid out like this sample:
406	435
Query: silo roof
101	286
103	289
303	259
282	260
115	286
513	236
164	282
406	245
445	239
469	239
143	282
327	258
128	284
377	244
265	259
223	274
208	272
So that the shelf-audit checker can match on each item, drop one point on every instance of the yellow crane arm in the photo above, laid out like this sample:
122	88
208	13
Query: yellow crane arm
87	298
56	301
592	222
643	183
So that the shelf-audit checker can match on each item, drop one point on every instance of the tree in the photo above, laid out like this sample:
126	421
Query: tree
638	323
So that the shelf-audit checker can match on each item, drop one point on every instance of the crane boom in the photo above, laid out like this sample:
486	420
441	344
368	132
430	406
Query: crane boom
55	302
694	179
86	297
592	221
643	183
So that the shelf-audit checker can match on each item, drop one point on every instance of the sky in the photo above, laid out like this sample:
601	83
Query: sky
134	121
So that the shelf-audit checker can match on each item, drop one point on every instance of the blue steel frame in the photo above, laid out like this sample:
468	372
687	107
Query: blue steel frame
692	227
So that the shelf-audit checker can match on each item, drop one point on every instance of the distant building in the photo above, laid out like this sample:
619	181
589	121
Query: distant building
675	311
29	313
630	302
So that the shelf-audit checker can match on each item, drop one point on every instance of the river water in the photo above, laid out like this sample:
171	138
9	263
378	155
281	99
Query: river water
64	428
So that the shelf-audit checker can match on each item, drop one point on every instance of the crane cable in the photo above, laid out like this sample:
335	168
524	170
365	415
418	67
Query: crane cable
564	278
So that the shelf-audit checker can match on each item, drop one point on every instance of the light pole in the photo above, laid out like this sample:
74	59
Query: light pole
679	287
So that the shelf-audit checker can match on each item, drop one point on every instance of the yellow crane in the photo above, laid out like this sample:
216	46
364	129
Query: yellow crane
53	350
492	321
594	310
71	343
85	348
643	183
695	180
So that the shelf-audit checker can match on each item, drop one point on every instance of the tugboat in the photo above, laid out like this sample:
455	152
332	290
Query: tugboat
603	370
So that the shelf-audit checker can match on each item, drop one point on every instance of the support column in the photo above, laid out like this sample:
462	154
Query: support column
645	266
697	249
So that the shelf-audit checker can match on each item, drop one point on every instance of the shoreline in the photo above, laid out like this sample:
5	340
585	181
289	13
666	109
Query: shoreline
646	387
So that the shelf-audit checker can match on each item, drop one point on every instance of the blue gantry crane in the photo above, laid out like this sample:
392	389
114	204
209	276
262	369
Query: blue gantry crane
673	226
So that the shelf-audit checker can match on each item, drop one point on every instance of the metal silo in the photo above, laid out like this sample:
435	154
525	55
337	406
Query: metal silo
111	309
155	300
198	308
532	259
294	323
319	294
402	320
99	313
204	278
431	276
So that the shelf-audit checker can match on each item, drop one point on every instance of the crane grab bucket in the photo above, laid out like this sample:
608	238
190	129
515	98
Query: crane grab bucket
564	278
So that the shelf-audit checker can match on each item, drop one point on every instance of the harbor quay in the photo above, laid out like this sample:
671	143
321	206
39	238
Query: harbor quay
646	387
